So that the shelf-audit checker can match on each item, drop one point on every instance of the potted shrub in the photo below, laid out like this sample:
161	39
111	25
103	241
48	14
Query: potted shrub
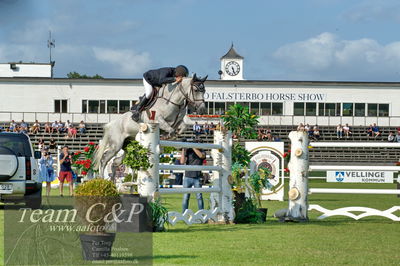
159	215
94	201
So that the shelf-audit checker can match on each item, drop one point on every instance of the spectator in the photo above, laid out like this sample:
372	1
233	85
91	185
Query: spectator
206	128
212	128
35	127
192	156
397	138
67	124
65	171
46	170
268	134
316	133
307	127
41	144
260	134
72	131
339	131
178	176
375	130
52	145
391	137
369	131
196	129
82	127
23	127
310	131
13	126
47	128
54	127
346	130
300	127
60	127
219	126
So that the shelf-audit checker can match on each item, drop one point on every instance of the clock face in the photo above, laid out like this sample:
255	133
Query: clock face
232	68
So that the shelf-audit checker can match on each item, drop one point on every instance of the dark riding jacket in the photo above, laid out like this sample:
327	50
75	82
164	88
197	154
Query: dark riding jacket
158	77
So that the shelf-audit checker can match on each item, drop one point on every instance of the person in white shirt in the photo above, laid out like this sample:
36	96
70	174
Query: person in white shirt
346	130
54	127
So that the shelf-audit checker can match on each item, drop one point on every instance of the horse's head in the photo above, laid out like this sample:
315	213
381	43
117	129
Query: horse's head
196	94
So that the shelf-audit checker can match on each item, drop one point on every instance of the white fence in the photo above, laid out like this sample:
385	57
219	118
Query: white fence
221	194
300	160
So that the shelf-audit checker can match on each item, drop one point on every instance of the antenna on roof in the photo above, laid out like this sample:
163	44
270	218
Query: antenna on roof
51	43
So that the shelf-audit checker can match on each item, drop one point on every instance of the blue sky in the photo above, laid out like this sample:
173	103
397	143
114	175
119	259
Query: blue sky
281	40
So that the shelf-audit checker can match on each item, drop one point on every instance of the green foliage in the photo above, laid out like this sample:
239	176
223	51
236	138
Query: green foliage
237	173
91	193
240	154
128	178
76	75
136	156
159	215
241	122
167	150
97	187
258	181
248	213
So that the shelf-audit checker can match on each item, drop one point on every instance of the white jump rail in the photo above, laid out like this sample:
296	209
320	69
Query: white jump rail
221	195
298	185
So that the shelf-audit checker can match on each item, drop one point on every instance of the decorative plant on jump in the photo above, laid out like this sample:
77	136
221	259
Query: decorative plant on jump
136	156
85	165
241	122
258	181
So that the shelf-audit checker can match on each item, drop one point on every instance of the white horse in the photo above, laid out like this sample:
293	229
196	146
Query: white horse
170	109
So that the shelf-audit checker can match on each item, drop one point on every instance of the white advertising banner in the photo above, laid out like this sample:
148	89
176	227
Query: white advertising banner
268	155
359	176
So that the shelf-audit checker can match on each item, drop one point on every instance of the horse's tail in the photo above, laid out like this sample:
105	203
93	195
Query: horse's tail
98	155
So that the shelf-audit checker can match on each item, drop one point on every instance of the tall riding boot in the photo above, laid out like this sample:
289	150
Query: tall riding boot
138	108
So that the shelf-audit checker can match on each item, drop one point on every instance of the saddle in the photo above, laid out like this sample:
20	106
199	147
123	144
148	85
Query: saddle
152	100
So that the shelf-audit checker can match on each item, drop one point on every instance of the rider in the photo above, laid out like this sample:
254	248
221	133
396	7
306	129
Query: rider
156	78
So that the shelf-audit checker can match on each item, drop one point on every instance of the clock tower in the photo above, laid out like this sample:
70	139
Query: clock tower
231	65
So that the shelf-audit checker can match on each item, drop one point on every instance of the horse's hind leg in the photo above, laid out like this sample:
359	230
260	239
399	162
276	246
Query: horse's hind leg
115	164
111	152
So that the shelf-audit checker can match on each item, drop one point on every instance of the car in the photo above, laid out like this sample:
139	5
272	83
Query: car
19	170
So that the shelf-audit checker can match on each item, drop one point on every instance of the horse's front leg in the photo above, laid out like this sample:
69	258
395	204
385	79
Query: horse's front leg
164	125
181	127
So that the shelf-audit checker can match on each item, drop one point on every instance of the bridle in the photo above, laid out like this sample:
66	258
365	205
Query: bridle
194	86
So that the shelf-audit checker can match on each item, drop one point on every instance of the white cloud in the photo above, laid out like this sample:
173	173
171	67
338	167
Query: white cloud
374	10
128	62
327	57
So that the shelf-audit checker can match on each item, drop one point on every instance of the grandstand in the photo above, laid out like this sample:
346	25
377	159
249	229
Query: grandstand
342	155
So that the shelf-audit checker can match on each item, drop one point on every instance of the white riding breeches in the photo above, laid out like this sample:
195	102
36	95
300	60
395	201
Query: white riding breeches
148	89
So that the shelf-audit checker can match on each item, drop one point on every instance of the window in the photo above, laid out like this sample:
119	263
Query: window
93	106
124	106
244	104
265	108
102	106
347	109
255	108
383	109
277	108
60	106
372	109
359	109
311	109
330	109
112	106
219	108
84	106
298	109
229	104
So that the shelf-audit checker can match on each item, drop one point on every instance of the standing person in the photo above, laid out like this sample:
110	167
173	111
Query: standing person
192	156
178	176
65	171
157	78
46	170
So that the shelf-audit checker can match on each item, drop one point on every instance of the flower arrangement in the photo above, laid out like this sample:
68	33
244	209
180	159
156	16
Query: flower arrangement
258	181
85	165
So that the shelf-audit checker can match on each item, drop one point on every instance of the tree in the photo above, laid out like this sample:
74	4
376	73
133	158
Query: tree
76	75
241	122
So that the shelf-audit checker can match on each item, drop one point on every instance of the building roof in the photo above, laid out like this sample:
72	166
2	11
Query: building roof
232	54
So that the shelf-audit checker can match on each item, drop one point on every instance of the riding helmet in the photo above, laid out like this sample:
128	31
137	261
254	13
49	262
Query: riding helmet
181	70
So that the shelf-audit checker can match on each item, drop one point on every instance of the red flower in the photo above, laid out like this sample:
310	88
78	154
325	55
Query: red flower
84	173
91	143
286	170
86	149
285	155
77	153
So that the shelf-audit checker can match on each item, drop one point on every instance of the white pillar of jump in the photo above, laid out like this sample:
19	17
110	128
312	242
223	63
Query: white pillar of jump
148	180
298	184
223	158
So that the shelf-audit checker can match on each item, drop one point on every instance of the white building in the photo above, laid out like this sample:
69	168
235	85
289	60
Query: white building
13	69
277	102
